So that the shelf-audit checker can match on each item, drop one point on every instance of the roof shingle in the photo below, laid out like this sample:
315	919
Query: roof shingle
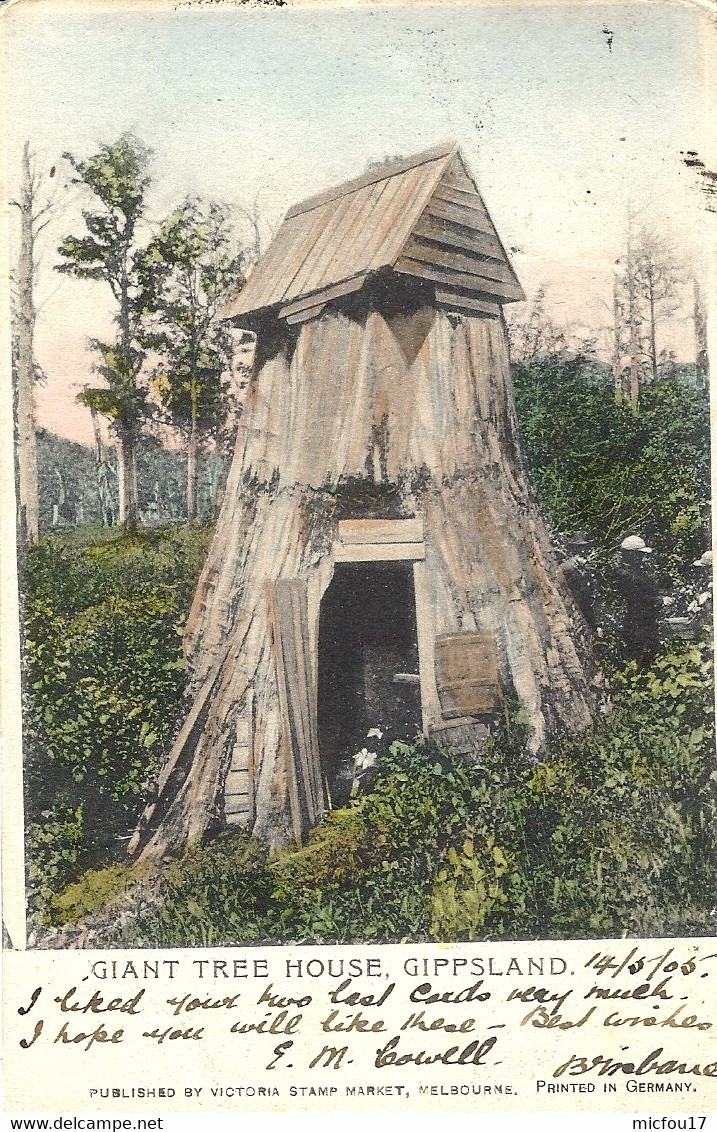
421	216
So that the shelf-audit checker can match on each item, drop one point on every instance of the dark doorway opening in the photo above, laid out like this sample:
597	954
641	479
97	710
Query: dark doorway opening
368	665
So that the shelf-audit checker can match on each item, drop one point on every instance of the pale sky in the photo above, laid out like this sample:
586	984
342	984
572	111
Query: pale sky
560	130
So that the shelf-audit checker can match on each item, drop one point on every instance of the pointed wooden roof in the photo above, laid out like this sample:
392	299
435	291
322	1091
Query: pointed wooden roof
421	216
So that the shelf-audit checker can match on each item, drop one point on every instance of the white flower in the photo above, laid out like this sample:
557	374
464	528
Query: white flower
375	733
364	759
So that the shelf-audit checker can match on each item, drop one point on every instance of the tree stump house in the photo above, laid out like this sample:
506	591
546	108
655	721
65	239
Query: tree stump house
379	560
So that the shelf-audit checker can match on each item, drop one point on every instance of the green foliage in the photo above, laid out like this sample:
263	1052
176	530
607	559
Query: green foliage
66	477
92	891
628	809
75	569
612	834
117	174
56	843
107	685
116	179
185	274
215	893
103	685
162	475
467	891
596	465
123	403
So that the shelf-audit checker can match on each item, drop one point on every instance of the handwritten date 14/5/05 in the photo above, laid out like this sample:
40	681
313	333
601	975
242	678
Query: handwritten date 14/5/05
634	963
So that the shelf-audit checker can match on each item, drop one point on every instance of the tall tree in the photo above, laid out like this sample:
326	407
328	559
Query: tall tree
634	319
646	290
618	348
186	273
699	317
658	279
629	345
34	217
102	472
117	178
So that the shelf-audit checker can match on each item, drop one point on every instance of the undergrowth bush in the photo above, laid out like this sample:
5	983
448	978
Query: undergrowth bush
597	465
611	834
103	681
56	842
91	892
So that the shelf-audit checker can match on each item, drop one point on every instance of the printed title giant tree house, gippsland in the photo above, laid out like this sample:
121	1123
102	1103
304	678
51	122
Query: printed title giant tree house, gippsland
379	560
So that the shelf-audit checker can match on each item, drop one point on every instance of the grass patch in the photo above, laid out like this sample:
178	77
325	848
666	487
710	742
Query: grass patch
91	892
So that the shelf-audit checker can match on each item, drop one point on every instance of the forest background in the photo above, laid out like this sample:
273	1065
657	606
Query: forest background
613	831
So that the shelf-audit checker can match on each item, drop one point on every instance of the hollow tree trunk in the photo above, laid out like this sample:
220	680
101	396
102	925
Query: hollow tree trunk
442	385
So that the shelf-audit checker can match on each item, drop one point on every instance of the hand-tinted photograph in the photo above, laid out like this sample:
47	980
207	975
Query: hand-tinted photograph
361	417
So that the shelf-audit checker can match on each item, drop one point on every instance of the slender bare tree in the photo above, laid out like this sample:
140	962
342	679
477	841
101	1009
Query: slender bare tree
617	334
659	279
699	317
647	285
634	319
254	229
35	206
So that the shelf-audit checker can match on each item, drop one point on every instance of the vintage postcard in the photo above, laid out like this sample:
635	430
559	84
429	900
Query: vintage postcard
357	645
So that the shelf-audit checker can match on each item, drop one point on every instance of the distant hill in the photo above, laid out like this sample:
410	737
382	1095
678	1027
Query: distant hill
67	480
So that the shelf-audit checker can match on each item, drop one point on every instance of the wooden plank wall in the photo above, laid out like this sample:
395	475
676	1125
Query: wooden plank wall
239	784
297	698
456	246
467	674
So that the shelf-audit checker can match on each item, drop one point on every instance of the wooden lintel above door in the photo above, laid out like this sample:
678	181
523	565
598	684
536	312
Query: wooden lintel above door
380	540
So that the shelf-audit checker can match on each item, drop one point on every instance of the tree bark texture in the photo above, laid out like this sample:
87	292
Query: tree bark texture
617	374
652	304
633	315
28	504
699	318
433	392
127	478
192	445
105	502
